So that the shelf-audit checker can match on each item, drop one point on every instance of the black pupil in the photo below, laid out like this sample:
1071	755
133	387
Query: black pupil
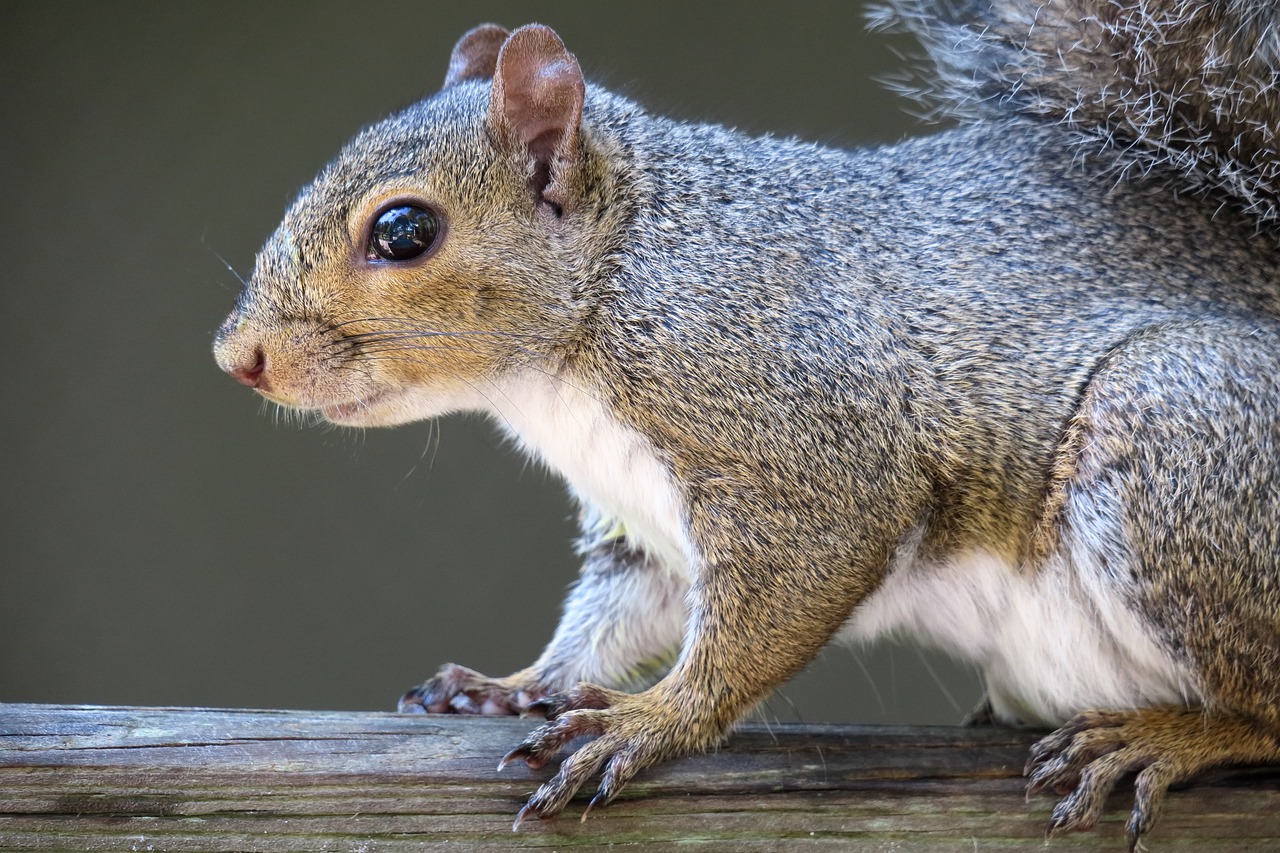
402	233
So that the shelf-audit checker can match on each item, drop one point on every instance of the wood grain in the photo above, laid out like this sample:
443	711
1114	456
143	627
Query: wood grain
80	778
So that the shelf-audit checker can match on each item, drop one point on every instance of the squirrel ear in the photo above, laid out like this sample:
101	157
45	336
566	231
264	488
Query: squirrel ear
475	56
537	103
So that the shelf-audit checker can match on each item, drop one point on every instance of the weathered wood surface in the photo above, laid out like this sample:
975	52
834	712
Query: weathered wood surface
98	779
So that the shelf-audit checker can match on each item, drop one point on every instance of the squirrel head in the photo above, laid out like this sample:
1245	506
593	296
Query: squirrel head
444	247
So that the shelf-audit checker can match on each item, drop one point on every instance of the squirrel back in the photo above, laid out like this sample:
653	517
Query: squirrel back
1183	92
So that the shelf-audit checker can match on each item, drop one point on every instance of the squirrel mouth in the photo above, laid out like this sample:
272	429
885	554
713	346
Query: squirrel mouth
352	410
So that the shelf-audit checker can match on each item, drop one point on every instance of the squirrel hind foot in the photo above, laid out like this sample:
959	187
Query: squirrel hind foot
1085	758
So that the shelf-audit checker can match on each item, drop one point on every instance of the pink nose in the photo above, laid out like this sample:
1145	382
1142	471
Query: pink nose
250	371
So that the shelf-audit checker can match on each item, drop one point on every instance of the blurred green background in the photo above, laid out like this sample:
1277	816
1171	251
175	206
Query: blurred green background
166	538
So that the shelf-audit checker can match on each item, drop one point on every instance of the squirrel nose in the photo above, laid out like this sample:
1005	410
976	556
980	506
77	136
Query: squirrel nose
250	371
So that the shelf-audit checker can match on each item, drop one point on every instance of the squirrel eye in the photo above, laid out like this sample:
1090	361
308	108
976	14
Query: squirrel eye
403	233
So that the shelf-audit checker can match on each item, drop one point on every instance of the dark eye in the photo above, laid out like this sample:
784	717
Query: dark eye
403	233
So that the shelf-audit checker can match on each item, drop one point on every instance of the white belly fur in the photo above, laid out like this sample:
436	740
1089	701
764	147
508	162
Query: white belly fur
608	465
1050	643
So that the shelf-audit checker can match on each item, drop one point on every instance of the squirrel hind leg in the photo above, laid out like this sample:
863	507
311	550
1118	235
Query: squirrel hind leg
1175	439
1086	758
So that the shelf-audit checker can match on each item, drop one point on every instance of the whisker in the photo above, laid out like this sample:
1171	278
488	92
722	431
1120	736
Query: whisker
405	334
492	407
336	326
225	263
402	358
438	431
414	322
425	333
466	346
393	343
554	377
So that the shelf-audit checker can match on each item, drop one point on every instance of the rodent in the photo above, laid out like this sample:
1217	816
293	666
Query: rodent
1012	388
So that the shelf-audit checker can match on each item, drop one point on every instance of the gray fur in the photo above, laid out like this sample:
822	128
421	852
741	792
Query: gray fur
1186	92
807	358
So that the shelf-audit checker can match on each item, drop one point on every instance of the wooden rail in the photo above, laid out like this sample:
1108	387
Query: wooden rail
152	779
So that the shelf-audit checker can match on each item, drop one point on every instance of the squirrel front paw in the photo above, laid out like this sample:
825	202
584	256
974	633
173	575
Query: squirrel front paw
1086	757
458	690
632	732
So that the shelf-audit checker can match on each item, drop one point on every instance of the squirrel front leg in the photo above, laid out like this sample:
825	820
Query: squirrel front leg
621	627
752	625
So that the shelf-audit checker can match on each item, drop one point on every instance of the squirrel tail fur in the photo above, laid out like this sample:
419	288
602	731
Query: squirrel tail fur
1184	92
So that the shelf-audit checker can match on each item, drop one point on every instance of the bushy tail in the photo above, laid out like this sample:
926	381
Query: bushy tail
1187	91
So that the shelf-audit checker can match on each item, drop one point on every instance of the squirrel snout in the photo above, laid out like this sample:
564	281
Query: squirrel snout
248	364
248	371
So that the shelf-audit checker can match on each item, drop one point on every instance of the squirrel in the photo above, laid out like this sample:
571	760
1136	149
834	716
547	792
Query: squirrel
1012	388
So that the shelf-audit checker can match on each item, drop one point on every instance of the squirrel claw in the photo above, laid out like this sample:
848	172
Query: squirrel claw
595	801
458	690
524	753
581	697
548	707
1057	823
520	816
